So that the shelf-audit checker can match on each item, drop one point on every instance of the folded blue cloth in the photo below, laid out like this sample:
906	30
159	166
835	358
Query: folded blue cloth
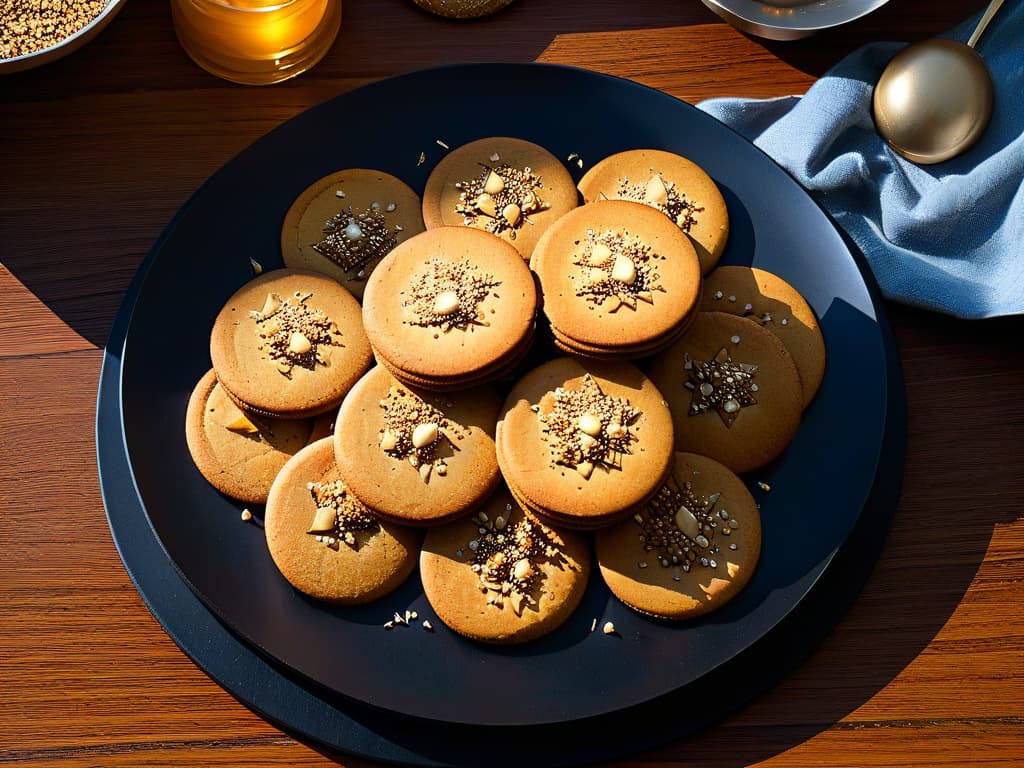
947	237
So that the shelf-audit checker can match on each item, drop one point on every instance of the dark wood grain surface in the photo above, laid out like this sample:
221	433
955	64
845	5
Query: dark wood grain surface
98	151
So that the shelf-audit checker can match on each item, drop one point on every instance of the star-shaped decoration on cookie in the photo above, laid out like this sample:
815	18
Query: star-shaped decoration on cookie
720	384
352	240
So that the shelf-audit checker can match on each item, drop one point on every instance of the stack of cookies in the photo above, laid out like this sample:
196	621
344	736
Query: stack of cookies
486	447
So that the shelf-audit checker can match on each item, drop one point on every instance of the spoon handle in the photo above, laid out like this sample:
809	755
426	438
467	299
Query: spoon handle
985	19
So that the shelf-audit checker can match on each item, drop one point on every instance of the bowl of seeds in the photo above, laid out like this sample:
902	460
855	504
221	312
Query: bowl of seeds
34	32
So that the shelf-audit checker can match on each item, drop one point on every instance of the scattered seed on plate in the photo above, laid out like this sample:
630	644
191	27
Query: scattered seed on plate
246	515
763	485
441	144
608	628
422	160
257	268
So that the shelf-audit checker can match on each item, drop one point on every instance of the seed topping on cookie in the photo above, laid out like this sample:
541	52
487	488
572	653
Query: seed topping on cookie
293	333
448	295
501	195
666	197
720	384
339	515
415	431
587	428
507	557
352	240
678	528
617	269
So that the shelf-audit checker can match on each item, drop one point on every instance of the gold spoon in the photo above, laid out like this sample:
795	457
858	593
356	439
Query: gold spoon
934	99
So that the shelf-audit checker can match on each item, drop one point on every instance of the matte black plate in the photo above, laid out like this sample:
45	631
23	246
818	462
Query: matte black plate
820	487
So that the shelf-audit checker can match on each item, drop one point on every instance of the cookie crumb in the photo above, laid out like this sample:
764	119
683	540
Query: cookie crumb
593	625
763	485
257	268
422	160
246	515
442	144
389	625
608	628
427	625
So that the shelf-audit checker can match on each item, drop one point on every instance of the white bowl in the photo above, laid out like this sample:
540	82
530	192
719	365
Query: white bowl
65	46
790	19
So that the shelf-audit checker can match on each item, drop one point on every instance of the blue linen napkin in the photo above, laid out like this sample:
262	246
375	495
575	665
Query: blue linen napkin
947	237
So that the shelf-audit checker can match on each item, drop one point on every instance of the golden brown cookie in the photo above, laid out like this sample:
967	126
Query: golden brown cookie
325	542
462	9
448	307
500	576
417	457
691	549
345	223
289	344
512	188
618	278
239	453
733	390
768	299
584	443
672	184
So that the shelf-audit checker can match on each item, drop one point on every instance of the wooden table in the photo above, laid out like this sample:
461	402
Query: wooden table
99	150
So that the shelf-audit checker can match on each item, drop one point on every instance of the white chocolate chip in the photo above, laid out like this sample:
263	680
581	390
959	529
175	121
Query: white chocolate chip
485	204
585	468
271	305
324	520
511	213
446	303
425	471
388	441
298	344
624	270
656	191
493	184
600	254
687	522
424	435
522	569
730	406
353	231
587	442
589	424
706	389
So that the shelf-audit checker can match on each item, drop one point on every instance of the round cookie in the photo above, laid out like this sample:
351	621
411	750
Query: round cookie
345	223
447	307
512	188
417	457
239	454
465	564
768	299
733	390
462	9
289	344
674	185
583	443
691	549
617	277
325	542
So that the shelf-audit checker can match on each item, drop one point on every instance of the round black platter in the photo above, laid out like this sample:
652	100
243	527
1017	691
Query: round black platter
336	676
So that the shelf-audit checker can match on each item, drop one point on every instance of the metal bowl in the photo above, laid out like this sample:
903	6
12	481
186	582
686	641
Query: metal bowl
790	19
64	47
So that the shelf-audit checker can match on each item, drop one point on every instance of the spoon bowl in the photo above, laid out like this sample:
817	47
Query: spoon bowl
934	100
